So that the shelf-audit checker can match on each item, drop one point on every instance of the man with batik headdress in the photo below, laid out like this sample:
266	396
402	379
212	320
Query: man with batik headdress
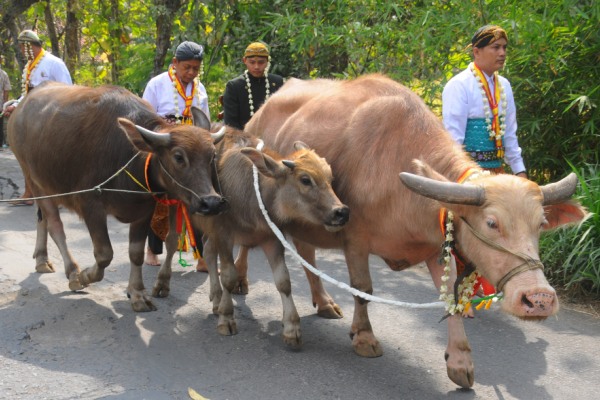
479	112
41	66
478	106
245	94
172	95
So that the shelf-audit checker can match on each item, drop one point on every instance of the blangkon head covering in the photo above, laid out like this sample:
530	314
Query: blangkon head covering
487	35
189	51
256	49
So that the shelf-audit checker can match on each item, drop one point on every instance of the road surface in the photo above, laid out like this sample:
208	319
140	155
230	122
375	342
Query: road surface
56	344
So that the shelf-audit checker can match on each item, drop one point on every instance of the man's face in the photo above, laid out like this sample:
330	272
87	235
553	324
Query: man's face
187	70
256	65
492	57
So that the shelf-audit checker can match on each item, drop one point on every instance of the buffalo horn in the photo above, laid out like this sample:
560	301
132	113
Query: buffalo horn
288	163
560	191
217	136
447	192
156	139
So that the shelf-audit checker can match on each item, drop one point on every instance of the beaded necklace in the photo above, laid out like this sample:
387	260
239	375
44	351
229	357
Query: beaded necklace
179	90
31	65
267	90
495	120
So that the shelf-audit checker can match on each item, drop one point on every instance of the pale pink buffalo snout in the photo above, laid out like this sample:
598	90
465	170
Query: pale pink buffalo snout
536	303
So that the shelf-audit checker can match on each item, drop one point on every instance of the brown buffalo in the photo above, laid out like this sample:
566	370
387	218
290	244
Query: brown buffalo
296	191
73	138
369	130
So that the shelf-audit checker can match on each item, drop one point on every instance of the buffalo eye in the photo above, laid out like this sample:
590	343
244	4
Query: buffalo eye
305	180
491	223
179	158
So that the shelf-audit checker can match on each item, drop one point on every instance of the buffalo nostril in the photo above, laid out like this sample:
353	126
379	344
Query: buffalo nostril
342	214
526	301
211	205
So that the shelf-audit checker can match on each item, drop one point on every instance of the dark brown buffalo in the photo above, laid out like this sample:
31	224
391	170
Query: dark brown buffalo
73	138
369	130
296	192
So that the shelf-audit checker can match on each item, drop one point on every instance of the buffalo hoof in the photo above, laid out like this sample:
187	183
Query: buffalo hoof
45	268
329	311
142	304
160	291
365	345
241	287
74	282
460	369
227	328
293	341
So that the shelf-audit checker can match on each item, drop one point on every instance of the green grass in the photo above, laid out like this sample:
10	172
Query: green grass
571	255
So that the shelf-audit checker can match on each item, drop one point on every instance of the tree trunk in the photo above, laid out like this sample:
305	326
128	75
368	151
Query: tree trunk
51	30
164	27
11	10
72	46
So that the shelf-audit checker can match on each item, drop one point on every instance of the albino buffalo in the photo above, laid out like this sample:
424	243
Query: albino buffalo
73	138
371	129
296	192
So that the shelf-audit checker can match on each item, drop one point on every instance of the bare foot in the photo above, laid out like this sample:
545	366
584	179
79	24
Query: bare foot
201	266
151	258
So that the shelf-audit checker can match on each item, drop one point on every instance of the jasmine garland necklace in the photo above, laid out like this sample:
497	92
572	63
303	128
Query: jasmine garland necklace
248	87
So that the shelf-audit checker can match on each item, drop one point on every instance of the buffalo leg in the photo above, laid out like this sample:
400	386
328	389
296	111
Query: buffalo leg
459	363
241	265
96	220
40	254
326	307
274	252
52	224
226	324
140	301
363	340
211	257
162	286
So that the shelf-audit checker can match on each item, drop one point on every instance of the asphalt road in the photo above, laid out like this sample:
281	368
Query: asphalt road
56	344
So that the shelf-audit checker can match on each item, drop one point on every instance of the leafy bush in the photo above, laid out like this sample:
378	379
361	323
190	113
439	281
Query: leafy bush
572	255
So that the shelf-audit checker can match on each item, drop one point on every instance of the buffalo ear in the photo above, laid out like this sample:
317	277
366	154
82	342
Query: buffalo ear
265	164
200	119
568	212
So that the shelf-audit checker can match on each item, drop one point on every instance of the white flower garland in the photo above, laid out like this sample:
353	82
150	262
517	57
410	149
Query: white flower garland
486	107
30	58
176	94
267	89
465	288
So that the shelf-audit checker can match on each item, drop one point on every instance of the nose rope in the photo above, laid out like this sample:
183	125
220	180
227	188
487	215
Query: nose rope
176	182
529	264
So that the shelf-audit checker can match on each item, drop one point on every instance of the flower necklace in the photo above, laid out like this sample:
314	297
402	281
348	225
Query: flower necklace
31	65
496	124
466	288
267	90
178	90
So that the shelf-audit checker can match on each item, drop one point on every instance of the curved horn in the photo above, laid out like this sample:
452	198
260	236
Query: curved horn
153	138
217	136
290	164
447	192
298	145
560	191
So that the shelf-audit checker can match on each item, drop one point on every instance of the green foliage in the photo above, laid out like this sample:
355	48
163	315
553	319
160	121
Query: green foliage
572	255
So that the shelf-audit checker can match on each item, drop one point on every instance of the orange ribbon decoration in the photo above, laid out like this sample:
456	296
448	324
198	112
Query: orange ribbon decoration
181	216
187	111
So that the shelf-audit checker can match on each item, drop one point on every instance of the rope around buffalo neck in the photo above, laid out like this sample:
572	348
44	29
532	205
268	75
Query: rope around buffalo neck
320	274
97	188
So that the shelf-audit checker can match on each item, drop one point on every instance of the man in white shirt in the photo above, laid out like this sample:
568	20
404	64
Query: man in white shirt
175	91
41	66
478	106
172	95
